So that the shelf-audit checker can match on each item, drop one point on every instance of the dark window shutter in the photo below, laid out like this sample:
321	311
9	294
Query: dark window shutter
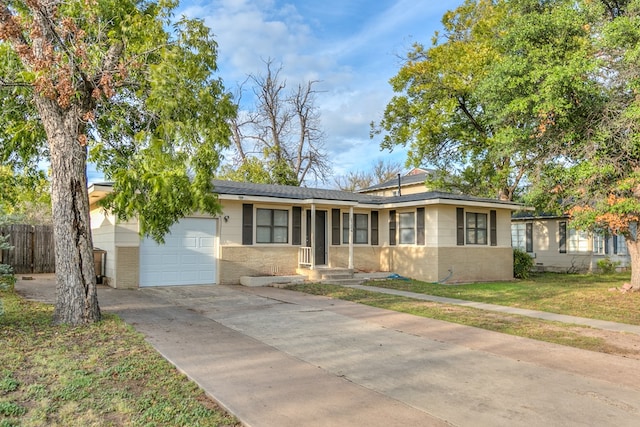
493	228
606	243
247	224
374	227
615	244
460	226
296	225
335	226
562	231
529	237
420	237
392	227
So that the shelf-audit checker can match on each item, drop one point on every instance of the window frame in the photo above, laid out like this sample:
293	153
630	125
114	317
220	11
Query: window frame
522	236
620	245
474	231
578	241
356	229
519	237
272	226
402	227
599	244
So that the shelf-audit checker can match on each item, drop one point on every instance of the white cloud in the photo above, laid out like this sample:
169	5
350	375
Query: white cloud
350	47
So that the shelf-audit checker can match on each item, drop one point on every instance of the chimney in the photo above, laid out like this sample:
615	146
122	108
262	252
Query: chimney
399	185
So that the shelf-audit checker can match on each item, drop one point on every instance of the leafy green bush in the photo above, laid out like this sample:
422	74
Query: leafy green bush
607	266
522	264
7	282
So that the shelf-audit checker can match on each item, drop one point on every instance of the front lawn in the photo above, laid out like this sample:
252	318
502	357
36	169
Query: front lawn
583	295
99	375
578	295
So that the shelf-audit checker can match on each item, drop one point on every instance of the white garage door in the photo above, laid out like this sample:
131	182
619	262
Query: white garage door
188	256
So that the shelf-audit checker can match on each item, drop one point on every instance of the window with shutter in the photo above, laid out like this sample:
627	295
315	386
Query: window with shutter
296	225
529	237
335	226
374	227
420	233
460	226
493	228
392	227
247	224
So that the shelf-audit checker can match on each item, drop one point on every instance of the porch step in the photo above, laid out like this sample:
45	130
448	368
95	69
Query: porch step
335	273
356	278
327	273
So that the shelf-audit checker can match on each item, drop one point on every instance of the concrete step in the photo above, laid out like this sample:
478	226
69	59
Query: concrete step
322	273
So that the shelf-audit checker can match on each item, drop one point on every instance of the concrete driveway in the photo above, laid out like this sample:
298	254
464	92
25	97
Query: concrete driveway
280	358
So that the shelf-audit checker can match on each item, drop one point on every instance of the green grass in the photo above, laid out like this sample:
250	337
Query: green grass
583	295
579	295
103	374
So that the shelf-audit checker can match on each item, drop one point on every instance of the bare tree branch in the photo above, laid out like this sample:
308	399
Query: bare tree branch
284	127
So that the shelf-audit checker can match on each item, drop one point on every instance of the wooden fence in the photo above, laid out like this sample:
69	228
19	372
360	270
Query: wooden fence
32	248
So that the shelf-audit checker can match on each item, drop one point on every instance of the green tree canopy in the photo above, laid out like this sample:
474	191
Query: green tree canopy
479	104
25	196
533	96
133	85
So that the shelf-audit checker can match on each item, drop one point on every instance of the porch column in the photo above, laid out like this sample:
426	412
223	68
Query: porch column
313	236
351	237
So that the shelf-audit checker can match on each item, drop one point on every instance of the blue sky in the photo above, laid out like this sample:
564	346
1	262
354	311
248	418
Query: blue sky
352	47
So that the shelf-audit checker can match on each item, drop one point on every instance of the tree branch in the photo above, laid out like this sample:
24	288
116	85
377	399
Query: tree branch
463	107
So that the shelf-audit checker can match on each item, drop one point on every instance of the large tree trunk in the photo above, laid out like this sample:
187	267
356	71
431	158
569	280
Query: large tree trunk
633	247
76	295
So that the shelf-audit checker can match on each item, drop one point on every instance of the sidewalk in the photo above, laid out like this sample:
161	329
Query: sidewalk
593	323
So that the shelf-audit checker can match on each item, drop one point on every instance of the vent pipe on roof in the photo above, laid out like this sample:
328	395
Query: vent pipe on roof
399	185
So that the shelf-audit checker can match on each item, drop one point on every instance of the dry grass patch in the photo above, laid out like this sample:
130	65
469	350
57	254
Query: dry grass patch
103	374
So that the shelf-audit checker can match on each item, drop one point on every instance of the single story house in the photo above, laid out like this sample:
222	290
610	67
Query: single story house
550	240
285	230
557	247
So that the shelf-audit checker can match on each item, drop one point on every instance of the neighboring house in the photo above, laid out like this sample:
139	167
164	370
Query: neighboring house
410	183
555	246
283	230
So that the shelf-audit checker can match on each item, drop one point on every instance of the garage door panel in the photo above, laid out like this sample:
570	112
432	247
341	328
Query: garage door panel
191	259
186	258
169	260
189	242
207	242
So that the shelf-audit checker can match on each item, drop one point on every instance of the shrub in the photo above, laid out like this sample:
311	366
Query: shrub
607	266
7	281
522	264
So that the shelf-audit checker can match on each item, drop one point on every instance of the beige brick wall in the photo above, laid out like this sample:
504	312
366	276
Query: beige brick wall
127	271
365	258
417	262
236	261
470	264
